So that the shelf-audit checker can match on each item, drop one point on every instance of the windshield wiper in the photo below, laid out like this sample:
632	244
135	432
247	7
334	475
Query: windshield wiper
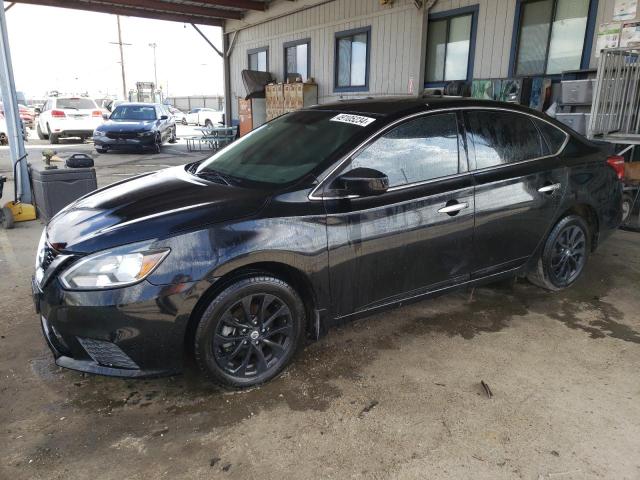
213	176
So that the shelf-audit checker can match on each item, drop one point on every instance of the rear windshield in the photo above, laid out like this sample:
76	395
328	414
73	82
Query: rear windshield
75	103
286	148
134	112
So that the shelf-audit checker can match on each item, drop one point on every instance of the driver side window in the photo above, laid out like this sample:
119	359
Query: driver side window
415	151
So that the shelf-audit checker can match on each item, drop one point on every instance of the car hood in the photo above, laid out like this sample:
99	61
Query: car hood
127	125
150	206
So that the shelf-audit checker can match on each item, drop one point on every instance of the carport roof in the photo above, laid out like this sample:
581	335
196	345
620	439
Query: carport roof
203	12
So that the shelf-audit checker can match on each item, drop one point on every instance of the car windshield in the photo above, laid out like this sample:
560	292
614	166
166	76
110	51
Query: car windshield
134	112
75	103
284	149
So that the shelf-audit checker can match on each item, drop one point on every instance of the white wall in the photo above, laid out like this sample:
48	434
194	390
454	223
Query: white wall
398	34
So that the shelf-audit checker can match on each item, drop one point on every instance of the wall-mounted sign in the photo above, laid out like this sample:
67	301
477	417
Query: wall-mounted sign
624	10
630	35
608	36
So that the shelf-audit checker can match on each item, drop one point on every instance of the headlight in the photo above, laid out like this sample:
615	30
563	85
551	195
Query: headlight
147	133
112	268
98	133
40	255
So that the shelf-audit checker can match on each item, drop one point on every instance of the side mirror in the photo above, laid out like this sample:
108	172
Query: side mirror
164	117
363	181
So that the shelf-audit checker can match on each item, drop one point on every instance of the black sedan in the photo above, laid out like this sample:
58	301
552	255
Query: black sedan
313	219
136	126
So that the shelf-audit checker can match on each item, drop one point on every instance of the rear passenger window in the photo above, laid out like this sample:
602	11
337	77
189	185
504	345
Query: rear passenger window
502	137
416	151
554	137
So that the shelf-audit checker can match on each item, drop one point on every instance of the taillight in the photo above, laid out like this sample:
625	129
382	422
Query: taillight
96	113
58	114
617	163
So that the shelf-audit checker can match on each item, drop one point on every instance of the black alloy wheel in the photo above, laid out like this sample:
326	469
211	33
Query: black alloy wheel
250	332
569	255
564	255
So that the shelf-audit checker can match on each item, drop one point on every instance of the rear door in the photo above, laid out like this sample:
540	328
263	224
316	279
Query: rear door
415	237
519	186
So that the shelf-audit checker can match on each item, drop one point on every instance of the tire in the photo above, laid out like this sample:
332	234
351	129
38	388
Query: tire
157	145
564	256
627	205
184	121
54	139
41	134
238	363
7	218
173	138
101	150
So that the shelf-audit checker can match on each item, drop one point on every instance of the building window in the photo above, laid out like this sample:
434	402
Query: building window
551	36
451	40
352	60
297	58
259	59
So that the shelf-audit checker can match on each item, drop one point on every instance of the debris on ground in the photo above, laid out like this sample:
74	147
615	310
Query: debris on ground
486	389
226	468
213	461
368	408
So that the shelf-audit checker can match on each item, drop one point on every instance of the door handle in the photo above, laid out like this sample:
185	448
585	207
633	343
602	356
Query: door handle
549	188
453	208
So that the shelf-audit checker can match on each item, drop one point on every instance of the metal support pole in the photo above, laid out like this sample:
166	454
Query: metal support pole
228	120
14	124
124	80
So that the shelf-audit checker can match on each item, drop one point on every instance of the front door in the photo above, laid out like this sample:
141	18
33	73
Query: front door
519	185
415	237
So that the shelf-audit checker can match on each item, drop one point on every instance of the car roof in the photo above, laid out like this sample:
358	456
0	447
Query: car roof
399	106
138	104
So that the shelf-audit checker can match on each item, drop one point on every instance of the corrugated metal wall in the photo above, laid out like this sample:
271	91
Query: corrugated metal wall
397	34
395	44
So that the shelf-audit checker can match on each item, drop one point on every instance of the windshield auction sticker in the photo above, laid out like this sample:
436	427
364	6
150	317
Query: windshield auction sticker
353	119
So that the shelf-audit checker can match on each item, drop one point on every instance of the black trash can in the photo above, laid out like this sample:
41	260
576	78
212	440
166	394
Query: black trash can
54	189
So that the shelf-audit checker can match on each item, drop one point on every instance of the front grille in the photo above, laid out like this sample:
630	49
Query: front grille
121	135
49	256
107	354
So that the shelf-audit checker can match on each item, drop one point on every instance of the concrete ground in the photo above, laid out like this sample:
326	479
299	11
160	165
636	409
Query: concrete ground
397	395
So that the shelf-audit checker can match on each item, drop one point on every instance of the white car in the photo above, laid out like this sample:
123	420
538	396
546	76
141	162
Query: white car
204	116
4	132
178	115
64	117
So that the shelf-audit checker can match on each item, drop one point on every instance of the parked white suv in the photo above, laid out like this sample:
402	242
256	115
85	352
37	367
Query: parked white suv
63	117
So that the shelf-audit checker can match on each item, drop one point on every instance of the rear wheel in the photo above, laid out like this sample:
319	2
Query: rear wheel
564	256
101	150
54	139
250	332
627	205
173	138
41	134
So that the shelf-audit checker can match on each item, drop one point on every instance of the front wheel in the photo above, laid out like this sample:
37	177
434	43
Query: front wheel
250	332
564	255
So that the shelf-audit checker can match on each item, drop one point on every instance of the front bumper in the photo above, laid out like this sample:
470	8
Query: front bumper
137	331
124	143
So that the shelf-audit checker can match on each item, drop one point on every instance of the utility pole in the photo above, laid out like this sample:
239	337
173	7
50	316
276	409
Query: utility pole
14	124
120	44
155	70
